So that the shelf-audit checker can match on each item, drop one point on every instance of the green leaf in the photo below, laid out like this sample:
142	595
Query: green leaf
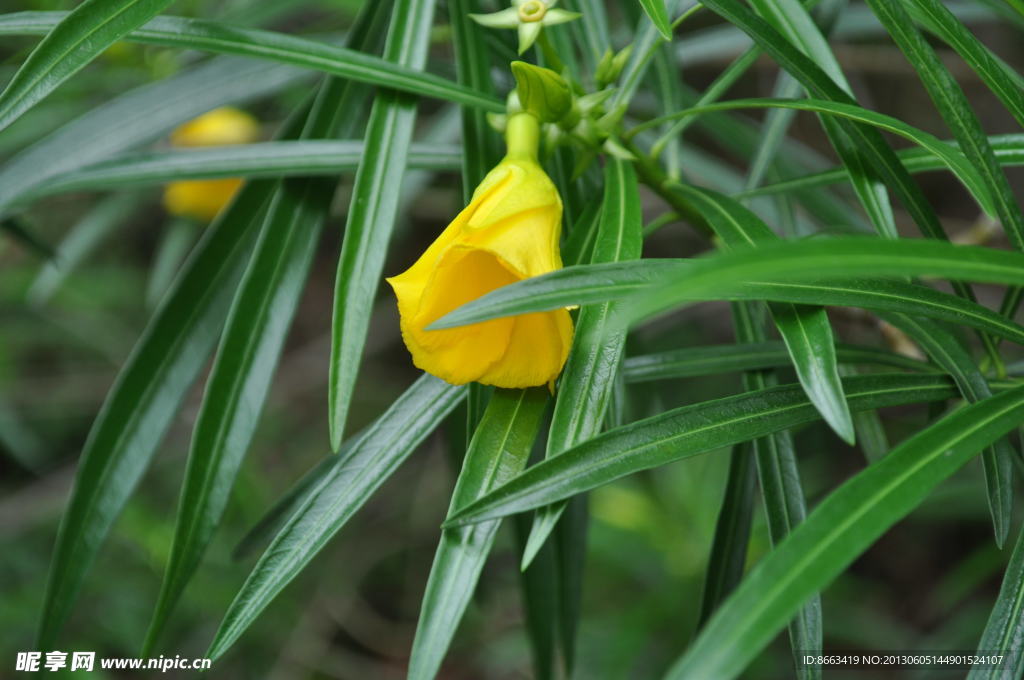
839	530
1005	628
658	15
946	351
143	401
784	502
937	18
956	110
268	159
806	330
599	283
1009	150
142	115
728	557
795	261
353	479
593	362
499	451
256	328
371	215
716	359
876	153
280	48
263	531
71	44
953	158
685	432
540	596
793	21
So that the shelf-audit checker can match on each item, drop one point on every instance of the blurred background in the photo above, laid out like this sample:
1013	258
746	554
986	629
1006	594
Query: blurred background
65	331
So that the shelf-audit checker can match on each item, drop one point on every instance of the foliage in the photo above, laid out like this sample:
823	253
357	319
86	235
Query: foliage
754	317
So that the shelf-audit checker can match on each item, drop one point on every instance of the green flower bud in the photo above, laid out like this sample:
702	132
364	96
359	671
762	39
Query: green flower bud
542	92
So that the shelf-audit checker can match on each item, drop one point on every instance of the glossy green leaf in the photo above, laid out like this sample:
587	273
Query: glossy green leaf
876	153
499	451
784	503
142	115
593	362
540	597
144	399
256	327
264	530
684	432
1004	632
806	330
597	283
716	359
793	21
728	557
945	350
372	211
1009	150
839	530
269	159
955	109
658	15
794	261
938	19
953	158
278	47
351	482
77	39
472	66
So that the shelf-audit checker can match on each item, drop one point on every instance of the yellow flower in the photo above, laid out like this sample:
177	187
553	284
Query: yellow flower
507	233
203	199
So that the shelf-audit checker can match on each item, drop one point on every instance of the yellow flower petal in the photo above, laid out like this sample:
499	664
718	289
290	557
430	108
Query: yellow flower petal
507	233
200	199
204	199
219	127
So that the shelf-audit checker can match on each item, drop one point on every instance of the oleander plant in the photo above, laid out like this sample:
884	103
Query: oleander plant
546	339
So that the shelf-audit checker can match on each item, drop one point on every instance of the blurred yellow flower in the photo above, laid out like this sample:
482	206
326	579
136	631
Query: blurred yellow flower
507	233
203	199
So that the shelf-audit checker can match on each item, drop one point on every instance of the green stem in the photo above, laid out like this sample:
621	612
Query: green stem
522	136
651	174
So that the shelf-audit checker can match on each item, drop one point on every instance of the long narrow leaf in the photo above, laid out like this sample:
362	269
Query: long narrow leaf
956	110
1004	632
717	359
142	115
498	452
268	159
946	351
71	44
806	330
143	401
279	47
839	529
370	462
372	211
682	433
596	352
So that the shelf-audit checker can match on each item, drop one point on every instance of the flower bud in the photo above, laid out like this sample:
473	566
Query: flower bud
509	231
542	92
